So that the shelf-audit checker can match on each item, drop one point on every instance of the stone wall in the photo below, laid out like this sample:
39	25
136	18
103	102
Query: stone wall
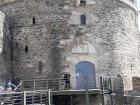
106	41
5	68
126	100
50	32
2	17
6	1
32	43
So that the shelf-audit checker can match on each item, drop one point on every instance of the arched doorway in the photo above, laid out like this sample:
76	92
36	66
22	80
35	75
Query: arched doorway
85	69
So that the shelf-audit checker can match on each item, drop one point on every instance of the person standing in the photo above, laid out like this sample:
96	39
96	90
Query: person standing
67	77
1	89
10	86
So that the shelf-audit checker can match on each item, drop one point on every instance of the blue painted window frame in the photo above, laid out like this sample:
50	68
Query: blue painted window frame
83	19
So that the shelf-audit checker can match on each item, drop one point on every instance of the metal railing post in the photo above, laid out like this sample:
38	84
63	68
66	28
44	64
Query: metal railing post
102	90
12	99
24	98
41	98
59	85
33	98
49	97
86	87
111	95
0	99
34	85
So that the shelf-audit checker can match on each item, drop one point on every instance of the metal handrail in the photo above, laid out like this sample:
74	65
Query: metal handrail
24	98
56	84
43	84
45	79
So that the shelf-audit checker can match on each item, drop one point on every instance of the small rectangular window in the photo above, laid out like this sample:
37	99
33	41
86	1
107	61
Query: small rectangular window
82	3
33	20
40	67
26	48
83	19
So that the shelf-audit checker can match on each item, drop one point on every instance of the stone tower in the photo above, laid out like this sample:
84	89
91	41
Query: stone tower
4	59
51	36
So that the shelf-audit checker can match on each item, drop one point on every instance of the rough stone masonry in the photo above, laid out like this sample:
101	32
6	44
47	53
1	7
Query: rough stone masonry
43	38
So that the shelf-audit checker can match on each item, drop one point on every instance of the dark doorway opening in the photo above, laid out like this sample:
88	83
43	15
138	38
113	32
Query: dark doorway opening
26	48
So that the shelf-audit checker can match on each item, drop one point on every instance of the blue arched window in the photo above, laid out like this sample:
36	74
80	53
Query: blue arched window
83	19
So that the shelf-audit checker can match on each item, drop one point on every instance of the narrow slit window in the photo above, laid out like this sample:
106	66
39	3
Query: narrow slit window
132	17
83	19
16	44
82	3
33	20
40	67
26	48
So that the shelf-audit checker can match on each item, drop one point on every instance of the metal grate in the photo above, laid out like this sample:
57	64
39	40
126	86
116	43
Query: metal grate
25	98
55	84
